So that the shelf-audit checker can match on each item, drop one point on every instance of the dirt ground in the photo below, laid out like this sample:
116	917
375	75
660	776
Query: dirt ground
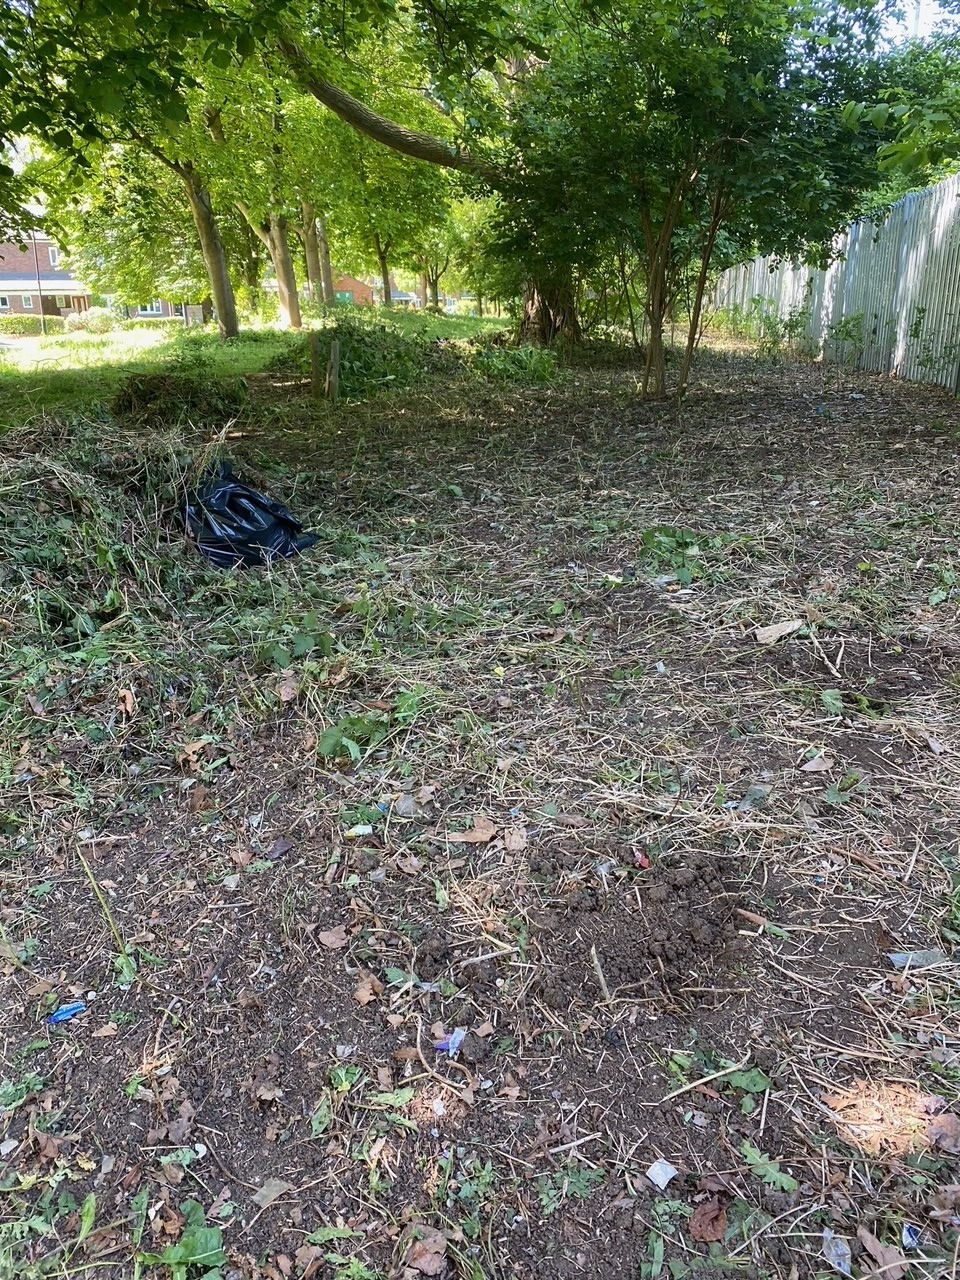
511	756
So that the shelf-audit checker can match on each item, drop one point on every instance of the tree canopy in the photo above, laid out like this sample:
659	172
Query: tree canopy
613	141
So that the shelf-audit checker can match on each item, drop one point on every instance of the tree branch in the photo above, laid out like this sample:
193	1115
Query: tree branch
419	146
258	229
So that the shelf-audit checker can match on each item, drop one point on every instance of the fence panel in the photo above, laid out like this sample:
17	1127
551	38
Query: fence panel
890	299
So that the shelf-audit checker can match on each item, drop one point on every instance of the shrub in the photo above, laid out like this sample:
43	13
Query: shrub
29	326
93	320
374	355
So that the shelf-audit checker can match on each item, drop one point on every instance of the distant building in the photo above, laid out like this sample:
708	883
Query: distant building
350	289
57	292
157	309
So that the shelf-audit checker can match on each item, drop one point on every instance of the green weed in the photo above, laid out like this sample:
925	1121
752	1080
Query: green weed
575	1182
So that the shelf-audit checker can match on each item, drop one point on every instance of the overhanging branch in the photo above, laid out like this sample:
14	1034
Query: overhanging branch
409	142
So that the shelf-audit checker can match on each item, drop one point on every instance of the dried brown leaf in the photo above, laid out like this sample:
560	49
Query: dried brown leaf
367	989
890	1261
819	764
128	702
288	687
717	1182
334	939
483	831
709	1221
271	1190
777	631
514	839
427	1252
36	706
944	1133
572	820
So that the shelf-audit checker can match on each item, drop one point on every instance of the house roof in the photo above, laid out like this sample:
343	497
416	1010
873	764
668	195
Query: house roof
50	282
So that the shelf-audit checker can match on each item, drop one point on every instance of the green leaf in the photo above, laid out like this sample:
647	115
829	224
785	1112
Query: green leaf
399	1098
752	1081
320	1120
125	967
767	1170
832	699
88	1213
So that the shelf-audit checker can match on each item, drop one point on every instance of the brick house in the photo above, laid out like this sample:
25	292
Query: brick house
350	289
155	309
59	292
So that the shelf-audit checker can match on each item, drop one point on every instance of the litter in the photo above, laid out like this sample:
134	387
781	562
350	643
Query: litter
451	1044
232	524
66	1012
910	1236
917	959
661	1173
836	1250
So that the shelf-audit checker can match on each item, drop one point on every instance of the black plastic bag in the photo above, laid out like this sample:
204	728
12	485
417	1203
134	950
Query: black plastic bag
233	524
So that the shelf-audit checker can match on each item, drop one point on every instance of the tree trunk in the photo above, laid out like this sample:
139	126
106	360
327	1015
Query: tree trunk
251	279
626	295
326	271
311	251
424	289
434	282
693	333
549	313
214	257
286	276
384	272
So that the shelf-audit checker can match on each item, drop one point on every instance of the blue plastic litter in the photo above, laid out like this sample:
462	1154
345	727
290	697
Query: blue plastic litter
66	1012
451	1044
911	1236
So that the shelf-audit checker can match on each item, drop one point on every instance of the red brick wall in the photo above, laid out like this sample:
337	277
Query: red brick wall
13	258
362	293
50	308
16	307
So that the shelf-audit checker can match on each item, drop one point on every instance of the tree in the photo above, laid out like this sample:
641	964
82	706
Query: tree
125	226
623	130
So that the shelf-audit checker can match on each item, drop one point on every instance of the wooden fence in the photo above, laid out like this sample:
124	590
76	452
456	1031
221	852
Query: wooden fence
889	302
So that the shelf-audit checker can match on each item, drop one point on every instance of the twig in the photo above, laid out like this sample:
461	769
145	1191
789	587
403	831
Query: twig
595	961
695	1084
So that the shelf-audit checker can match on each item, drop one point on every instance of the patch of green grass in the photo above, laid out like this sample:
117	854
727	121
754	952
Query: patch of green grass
79	370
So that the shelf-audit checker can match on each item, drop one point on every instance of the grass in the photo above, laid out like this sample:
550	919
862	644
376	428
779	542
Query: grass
501	756
72	372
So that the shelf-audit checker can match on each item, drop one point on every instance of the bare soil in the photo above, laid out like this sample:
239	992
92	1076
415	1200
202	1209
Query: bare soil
651	867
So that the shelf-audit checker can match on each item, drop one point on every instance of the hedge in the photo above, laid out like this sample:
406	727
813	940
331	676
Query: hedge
29	326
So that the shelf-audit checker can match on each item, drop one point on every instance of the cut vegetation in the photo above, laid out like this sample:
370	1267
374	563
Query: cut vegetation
552	872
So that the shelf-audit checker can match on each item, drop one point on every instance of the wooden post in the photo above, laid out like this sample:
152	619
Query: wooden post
316	382
333	372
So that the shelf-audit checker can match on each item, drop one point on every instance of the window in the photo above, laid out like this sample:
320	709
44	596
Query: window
4	302
154	308
61	300
178	309
54	255
344	295
26	301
